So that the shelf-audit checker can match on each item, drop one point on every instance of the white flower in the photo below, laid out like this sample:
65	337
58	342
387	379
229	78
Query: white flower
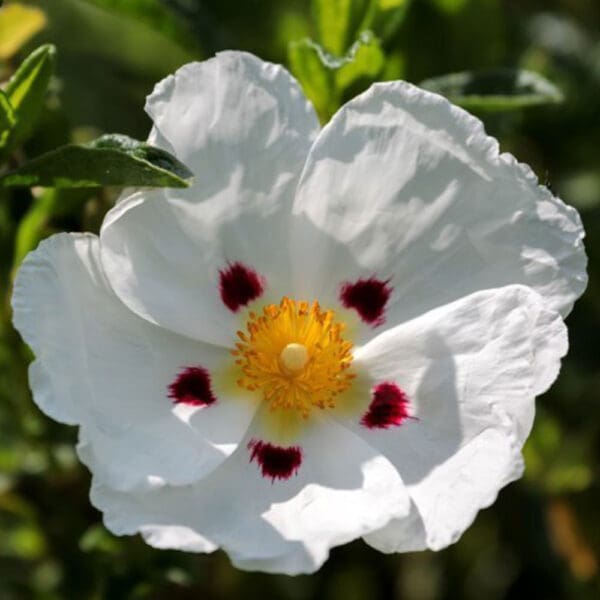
332	334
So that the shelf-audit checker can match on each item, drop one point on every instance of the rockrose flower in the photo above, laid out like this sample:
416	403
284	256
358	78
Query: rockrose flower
335	333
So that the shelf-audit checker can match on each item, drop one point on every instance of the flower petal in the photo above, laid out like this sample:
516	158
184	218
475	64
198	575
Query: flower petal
342	490
470	371
244	128
101	366
401	535
403	186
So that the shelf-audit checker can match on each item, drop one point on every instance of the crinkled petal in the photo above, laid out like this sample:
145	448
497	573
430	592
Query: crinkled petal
471	371
451	496
244	128
402	185
101	366
342	490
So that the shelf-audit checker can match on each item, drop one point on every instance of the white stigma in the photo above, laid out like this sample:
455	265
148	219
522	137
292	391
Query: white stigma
294	357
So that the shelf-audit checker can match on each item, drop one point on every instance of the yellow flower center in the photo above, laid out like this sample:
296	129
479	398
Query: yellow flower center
294	353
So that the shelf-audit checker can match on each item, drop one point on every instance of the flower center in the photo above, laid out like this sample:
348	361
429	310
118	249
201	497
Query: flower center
294	358
294	353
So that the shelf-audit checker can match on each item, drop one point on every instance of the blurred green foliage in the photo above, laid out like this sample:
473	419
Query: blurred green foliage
25	92
541	539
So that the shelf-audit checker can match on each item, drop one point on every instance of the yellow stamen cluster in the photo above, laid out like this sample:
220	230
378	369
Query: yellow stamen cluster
295	355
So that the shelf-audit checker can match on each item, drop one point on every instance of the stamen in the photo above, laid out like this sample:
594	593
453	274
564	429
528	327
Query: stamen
294	353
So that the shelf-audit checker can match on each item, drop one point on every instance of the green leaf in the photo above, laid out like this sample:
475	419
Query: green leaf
113	159
385	16
18	24
26	91
367	62
325	76
307	64
340	22
334	22
7	118
495	90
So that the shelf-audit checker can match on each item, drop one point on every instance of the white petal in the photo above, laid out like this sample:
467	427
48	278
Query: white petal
244	128
343	490
400	535
471	371
403	185
101	366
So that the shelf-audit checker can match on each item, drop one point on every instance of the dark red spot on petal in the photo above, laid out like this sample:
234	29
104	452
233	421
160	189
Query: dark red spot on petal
388	407
239	285
192	386
275	462
368	297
